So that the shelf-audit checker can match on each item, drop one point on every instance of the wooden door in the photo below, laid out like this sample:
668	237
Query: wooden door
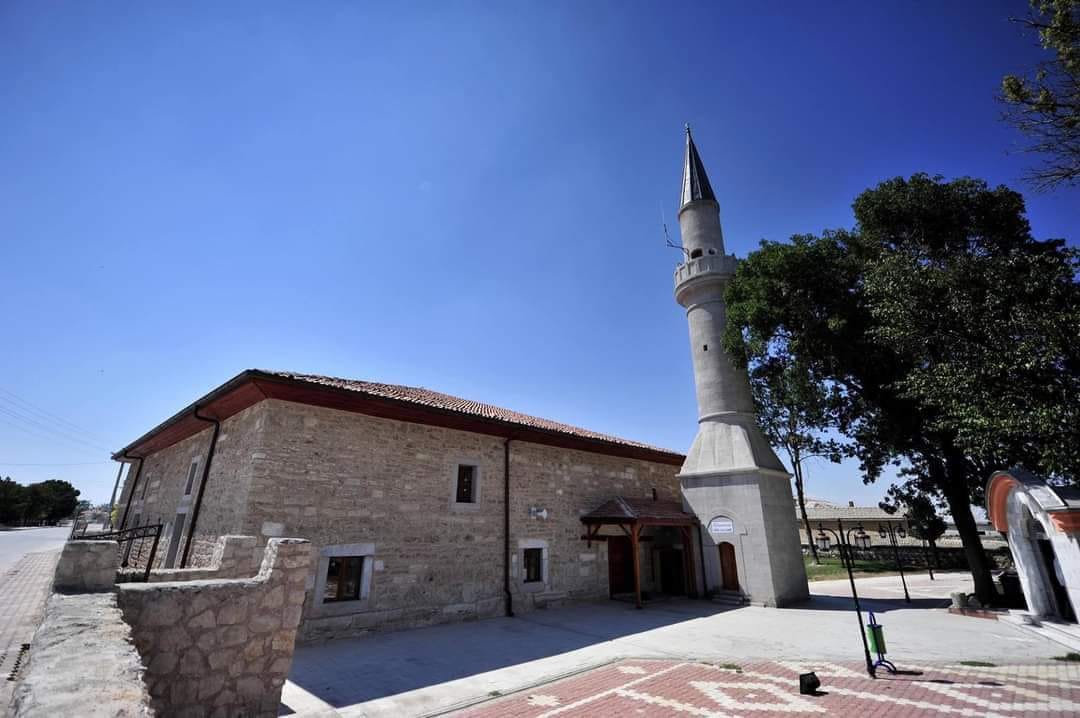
620	565
729	572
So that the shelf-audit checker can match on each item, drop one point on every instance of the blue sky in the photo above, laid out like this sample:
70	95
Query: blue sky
464	196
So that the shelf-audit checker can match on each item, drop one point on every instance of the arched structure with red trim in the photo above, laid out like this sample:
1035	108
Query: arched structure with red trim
1042	524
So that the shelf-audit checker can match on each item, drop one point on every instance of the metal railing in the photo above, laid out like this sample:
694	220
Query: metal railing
132	541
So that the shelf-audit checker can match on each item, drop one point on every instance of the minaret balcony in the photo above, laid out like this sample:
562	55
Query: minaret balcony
717	264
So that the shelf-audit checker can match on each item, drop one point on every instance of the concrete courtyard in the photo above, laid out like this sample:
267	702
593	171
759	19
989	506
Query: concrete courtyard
443	668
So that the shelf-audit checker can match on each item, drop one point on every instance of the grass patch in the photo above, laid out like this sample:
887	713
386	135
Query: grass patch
493	694
831	568
1069	658
978	664
731	667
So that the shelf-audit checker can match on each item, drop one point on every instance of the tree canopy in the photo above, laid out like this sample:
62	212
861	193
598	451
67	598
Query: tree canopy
947	337
1045	104
45	502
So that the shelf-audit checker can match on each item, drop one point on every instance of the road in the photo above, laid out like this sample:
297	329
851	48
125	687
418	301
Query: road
16	543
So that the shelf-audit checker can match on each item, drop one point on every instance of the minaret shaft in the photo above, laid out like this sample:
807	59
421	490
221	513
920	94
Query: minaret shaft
731	478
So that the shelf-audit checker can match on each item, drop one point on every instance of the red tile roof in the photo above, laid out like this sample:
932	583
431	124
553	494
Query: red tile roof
437	400
622	509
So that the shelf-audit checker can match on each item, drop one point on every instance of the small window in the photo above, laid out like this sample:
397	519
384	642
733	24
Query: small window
694	254
712	251
146	483
343	575
534	565
466	484
191	476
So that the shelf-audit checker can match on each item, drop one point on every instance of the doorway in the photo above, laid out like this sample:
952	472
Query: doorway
672	576
729	572
620	565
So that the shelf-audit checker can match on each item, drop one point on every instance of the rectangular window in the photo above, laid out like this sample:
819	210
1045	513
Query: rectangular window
466	484
146	483
191	476
343	575
534	565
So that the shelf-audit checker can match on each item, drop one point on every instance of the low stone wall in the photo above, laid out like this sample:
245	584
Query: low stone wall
221	647
232	557
86	566
82	662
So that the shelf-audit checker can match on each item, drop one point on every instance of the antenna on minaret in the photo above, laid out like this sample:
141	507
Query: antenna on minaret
667	237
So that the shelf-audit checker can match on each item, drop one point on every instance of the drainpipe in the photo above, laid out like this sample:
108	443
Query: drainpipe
134	485
202	484
506	528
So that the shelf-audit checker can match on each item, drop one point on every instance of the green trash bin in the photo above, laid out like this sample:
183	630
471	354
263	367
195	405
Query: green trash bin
875	636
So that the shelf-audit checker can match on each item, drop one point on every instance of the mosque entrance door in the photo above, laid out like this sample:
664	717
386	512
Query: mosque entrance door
729	572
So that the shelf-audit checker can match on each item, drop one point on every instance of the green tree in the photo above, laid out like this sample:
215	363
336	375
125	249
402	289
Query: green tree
945	332
1046	105
51	500
13	501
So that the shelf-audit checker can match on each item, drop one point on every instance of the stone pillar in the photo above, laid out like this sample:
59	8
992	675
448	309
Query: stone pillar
87	567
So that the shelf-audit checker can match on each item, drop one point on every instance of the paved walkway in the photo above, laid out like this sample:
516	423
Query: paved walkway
424	671
671	688
25	582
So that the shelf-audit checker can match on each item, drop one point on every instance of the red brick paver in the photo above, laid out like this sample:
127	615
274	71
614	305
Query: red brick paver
670	688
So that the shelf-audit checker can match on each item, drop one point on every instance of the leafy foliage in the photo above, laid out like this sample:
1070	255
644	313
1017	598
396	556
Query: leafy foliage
946	338
1046	106
44	502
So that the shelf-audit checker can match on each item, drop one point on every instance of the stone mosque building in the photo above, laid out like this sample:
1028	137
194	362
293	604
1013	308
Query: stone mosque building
425	508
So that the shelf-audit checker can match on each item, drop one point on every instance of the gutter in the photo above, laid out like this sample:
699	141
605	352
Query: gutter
506	529
202	484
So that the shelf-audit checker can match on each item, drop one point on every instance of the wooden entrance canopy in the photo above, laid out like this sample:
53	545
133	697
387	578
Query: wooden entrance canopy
633	515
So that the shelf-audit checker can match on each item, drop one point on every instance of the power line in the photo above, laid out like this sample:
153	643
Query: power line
48	415
77	463
38	431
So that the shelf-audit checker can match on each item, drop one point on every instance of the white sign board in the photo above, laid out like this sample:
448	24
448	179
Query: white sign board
721	525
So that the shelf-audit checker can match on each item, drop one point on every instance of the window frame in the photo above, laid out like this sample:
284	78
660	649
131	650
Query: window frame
477	483
369	566
544	584
526	573
359	562
193	470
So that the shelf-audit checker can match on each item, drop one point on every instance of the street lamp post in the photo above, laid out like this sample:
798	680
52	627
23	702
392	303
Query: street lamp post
842	540
896	550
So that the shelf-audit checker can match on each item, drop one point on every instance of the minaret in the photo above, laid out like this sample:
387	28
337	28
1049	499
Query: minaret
731	478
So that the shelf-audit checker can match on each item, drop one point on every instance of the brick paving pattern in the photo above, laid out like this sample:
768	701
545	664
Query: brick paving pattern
672	688
24	588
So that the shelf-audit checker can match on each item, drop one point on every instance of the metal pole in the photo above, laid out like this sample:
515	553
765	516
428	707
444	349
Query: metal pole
855	596
899	563
112	499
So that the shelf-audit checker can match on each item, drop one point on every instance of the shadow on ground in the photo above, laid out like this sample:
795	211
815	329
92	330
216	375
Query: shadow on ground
820	602
348	671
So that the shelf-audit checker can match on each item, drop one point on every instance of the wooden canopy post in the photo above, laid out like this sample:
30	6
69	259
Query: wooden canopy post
635	533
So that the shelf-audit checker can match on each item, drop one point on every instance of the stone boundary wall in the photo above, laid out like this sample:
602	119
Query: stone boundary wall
86	566
232	557
221	647
82	662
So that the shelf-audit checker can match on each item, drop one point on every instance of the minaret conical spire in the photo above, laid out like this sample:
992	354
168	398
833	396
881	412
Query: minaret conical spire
695	183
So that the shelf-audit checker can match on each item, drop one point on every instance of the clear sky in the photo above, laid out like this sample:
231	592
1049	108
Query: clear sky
464	196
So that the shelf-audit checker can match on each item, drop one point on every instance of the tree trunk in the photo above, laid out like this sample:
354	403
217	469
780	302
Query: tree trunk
959	501
796	465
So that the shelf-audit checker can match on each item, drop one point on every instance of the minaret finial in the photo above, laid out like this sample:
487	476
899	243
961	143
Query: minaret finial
695	183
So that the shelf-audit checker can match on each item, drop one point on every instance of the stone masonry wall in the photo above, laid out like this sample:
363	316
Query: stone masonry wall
86	567
82	663
220	647
159	495
384	488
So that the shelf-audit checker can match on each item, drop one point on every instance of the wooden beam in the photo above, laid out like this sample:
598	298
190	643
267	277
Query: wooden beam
635	530
688	562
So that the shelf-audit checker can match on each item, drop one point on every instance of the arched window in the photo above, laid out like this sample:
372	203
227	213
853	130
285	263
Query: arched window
694	254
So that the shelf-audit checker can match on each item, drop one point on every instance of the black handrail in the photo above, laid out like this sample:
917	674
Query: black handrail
129	537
